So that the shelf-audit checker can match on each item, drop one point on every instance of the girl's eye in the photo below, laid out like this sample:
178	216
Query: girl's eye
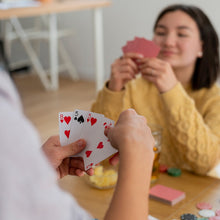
160	33
182	35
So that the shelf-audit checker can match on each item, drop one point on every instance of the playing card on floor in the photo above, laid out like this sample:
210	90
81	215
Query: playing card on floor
89	126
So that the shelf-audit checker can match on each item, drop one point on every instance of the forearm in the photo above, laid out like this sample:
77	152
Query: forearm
130	200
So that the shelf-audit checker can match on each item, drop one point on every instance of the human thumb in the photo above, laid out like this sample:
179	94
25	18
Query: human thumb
73	148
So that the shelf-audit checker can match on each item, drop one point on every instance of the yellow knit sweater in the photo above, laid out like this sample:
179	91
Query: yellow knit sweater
190	120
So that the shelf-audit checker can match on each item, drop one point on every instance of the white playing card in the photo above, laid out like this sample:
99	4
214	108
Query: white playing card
65	120
89	126
93	122
79	118
150	217
102	149
98	147
79	122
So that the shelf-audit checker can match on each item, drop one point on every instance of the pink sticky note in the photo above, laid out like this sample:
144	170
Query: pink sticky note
166	194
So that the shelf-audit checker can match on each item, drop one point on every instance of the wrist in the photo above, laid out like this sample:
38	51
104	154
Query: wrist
136	167
168	87
114	87
136	153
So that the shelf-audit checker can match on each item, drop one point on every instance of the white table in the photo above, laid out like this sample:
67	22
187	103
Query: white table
52	9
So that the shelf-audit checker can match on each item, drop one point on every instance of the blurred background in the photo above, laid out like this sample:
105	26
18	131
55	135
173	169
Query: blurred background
122	21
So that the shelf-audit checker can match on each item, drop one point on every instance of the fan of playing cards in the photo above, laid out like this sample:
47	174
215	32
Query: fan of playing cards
142	46
89	126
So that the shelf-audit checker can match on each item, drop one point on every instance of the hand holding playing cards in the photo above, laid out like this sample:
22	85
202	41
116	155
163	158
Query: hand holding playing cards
133	138
131	131
59	157
123	70
158	72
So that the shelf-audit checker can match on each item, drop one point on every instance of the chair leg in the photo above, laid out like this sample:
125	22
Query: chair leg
3	57
31	53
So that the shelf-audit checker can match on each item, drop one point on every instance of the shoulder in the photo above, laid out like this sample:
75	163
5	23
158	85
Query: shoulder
207	98
215	89
210	93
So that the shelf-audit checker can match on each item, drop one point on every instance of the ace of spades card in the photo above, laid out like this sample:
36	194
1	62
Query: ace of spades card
90	126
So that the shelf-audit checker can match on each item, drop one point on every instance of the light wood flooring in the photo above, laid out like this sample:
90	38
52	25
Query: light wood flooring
42	107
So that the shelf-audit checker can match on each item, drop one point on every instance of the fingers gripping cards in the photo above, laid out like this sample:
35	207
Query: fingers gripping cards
90	126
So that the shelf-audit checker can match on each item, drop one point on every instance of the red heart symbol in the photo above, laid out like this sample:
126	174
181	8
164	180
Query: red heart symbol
67	119
93	121
88	153
61	120
100	145
90	165
67	133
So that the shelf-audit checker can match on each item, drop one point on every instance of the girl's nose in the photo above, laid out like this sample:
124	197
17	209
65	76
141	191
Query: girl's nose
170	40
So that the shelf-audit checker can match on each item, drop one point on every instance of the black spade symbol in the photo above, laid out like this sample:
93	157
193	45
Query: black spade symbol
80	119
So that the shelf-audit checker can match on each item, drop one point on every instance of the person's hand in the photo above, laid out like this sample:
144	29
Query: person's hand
130	134
123	70
59	157
158	72
114	159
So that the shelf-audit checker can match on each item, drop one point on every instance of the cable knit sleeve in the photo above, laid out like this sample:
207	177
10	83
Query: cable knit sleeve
195	133
110	103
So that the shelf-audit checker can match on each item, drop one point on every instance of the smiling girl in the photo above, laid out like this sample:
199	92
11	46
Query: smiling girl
177	90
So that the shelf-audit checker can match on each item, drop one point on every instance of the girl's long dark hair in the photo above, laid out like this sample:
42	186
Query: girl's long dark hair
207	67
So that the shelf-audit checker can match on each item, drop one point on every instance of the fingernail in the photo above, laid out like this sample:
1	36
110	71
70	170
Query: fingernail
107	129
80	143
140	55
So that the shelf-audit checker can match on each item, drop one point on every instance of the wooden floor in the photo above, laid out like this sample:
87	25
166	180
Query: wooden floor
42	107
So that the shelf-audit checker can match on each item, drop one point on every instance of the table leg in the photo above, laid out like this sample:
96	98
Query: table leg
99	55
53	50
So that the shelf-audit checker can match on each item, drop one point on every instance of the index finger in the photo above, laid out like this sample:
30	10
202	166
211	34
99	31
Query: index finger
133	55
127	114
